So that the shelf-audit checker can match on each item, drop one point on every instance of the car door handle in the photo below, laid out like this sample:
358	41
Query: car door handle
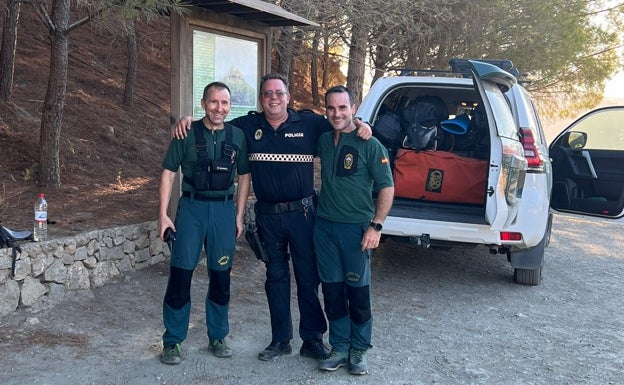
585	154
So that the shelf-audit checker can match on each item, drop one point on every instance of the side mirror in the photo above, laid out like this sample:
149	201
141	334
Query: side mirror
574	140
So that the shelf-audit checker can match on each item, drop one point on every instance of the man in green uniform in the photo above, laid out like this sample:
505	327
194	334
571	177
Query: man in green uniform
348	227
209	157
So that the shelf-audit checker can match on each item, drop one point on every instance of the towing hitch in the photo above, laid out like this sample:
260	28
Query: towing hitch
423	241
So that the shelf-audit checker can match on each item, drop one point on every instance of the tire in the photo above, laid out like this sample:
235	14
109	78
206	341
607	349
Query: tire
531	277
528	264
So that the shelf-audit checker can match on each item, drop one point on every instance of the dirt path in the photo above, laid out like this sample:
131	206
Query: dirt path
440	318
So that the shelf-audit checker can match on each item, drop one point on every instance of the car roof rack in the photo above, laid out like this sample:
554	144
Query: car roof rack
459	67
462	66
419	71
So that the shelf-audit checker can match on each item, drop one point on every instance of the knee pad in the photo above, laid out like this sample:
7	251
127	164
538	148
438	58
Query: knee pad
178	288
359	303
335	301
219	291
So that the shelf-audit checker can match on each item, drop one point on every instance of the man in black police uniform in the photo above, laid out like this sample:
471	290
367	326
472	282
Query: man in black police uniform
282	145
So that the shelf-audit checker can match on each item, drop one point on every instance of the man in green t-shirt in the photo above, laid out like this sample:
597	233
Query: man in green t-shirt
347	228
206	217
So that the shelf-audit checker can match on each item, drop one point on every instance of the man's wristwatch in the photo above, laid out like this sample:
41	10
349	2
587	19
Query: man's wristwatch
376	226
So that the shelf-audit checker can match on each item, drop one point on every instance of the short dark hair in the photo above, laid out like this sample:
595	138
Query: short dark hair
340	90
217	85
274	75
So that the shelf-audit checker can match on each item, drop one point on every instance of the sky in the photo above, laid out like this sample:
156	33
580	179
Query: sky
615	86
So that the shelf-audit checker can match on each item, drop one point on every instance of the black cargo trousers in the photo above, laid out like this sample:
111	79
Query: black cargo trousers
286	231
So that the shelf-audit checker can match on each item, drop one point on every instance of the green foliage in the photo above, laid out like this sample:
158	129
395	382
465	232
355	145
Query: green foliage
564	53
565	49
123	13
31	173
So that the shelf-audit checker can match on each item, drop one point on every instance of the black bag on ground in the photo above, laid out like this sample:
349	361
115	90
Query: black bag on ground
8	238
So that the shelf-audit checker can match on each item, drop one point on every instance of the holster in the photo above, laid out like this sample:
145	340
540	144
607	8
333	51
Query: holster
169	237
253	238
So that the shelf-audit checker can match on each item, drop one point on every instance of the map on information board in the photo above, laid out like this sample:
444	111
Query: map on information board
230	60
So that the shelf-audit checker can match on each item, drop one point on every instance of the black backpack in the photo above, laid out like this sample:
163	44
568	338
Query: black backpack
421	122
388	129
475	142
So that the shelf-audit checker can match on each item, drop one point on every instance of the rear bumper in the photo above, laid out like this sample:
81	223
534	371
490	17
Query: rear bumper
531	222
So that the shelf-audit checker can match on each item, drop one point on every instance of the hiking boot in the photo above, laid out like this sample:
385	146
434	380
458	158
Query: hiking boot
171	355
274	350
314	349
335	360
220	349
357	362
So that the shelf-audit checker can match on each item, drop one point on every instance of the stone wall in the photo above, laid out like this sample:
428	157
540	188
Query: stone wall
46	271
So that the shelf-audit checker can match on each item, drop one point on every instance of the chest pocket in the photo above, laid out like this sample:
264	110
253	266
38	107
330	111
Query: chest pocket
348	160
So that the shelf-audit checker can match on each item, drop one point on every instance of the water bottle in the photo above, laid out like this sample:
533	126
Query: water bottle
40	231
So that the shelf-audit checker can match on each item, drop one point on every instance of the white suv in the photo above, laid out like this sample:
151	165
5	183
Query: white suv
471	163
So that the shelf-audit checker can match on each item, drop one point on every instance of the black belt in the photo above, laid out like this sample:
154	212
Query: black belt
285	207
204	198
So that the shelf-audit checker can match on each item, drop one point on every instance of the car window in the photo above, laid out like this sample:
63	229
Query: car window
604	129
505	123
540	138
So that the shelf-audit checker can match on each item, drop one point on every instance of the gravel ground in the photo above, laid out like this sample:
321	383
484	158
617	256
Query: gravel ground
451	317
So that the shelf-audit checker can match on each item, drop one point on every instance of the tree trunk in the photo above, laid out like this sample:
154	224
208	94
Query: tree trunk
52	113
289	47
284	51
314	83
380	61
357	57
325	63
7	50
131	72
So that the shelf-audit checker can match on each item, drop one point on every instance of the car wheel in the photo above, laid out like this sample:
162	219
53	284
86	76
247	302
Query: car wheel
526	272
531	277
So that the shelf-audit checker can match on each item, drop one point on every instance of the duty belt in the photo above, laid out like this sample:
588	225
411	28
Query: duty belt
204	198
284	207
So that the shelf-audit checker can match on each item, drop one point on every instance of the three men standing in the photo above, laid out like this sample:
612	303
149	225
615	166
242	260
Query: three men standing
282	144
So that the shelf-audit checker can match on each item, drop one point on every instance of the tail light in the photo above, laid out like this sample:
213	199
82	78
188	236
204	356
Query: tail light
510	236
513	171
531	152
